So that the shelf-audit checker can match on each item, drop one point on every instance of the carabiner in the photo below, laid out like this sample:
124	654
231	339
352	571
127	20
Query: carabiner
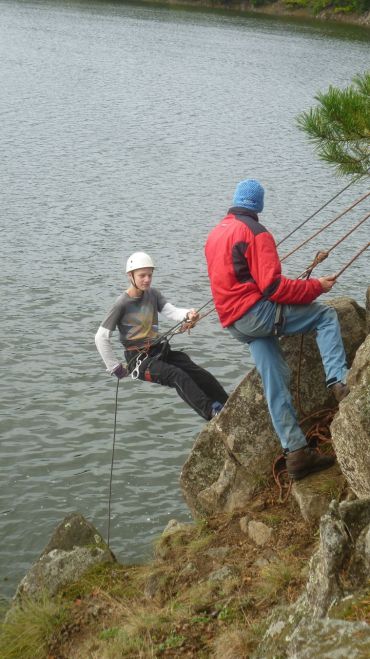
135	372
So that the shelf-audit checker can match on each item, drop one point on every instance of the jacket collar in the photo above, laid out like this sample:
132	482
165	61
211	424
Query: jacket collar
243	212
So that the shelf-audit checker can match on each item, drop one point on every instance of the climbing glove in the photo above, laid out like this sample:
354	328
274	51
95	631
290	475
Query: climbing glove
120	371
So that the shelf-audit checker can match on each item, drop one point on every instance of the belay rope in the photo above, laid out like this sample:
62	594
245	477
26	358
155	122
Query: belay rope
181	326
112	461
319	433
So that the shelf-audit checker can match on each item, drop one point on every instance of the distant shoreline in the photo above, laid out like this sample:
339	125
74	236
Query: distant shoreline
278	9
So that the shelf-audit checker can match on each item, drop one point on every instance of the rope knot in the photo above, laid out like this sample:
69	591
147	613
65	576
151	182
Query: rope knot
320	257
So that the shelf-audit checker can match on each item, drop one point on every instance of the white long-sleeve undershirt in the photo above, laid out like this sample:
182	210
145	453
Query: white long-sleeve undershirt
173	313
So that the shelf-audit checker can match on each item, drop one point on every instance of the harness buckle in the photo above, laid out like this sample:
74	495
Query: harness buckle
279	320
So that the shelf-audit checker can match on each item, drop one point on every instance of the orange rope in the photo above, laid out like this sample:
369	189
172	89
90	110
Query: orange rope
363	249
337	217
317	436
281	477
321	256
189	324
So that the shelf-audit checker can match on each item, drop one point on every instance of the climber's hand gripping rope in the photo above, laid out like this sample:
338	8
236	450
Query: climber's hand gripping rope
191	319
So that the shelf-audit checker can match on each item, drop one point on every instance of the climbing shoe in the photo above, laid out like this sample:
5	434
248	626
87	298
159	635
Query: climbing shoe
306	461
340	391
216	408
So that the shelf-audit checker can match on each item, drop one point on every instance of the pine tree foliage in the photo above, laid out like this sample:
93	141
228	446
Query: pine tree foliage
339	127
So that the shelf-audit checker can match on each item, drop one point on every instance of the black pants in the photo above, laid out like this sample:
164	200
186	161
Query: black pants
196	386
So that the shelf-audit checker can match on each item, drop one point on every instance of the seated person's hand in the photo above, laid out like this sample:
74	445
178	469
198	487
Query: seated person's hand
192	316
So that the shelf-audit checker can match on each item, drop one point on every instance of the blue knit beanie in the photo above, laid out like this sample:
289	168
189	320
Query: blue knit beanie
249	194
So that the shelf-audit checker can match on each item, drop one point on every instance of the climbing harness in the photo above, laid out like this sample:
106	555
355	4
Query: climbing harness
278	321
150	351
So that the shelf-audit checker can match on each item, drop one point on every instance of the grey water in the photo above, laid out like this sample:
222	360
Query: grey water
127	127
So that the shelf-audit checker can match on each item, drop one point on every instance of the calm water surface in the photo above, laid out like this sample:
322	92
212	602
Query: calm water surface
124	128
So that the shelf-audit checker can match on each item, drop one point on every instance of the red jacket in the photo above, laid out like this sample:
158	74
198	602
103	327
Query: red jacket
244	267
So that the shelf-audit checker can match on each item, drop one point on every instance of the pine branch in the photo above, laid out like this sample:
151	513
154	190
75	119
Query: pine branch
339	126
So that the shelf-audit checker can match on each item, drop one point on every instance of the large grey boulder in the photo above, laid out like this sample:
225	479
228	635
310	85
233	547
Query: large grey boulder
330	639
325	586
314	493
350	429
234	452
315	625
74	547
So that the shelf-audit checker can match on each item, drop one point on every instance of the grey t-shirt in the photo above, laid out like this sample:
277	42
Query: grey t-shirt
136	318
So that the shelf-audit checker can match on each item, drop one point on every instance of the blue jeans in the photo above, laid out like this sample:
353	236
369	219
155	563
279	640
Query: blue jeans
256	329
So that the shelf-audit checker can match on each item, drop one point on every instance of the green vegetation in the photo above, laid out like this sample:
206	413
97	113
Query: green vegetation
28	630
316	6
207	593
238	641
202	595
348	10
260	3
279	576
340	6
354	608
332	487
340	127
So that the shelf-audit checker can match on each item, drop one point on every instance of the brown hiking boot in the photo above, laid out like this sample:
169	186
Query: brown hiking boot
306	461
340	391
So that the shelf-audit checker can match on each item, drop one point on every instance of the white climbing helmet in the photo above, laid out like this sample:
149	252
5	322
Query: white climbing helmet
138	260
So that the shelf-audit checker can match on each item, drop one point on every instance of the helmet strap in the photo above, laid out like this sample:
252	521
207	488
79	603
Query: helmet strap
133	282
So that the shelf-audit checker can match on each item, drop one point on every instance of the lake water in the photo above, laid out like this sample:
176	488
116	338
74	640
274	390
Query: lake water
127	127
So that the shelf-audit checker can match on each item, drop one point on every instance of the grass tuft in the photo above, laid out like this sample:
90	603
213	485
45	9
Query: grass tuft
354	608
236	642
29	628
122	644
331	487
279	576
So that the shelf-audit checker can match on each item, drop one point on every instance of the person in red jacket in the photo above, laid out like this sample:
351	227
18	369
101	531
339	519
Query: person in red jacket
257	303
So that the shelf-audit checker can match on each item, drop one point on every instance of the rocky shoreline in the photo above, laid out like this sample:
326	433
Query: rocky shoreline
277	9
251	577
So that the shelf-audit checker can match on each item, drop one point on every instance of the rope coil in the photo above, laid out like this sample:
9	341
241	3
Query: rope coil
318	436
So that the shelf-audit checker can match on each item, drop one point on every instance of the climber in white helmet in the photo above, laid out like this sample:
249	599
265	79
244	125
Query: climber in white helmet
135	315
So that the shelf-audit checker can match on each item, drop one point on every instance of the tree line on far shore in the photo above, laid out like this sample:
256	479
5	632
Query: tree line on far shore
317	6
